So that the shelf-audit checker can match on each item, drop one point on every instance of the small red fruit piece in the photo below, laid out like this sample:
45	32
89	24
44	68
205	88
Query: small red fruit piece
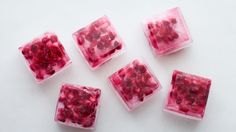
101	45
39	76
54	38
150	26
116	80
45	39
183	108
80	40
173	20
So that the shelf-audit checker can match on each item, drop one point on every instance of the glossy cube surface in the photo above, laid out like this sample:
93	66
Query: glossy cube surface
98	42
188	95
167	32
45	56
134	83
77	106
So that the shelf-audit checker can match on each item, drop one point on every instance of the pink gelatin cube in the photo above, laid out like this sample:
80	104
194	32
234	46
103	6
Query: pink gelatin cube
45	56
167	32
134	83
98	42
188	95
77	106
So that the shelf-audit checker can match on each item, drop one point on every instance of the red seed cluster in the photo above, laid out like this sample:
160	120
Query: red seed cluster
162	31
45	56
98	41
189	94
77	106
134	82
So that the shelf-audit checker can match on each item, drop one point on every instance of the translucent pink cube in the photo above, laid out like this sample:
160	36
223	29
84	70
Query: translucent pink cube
167	32
98	42
45	56
134	83
77	106
188	95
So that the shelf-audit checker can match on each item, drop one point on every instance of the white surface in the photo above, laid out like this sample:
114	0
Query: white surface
29	107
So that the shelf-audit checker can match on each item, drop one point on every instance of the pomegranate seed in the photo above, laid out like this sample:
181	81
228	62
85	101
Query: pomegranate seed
34	48
194	89
54	38
127	97
111	51
140	69
39	76
154	42
80	40
111	36
50	70
88	123
45	39
148	92
91	51
150	26
119	47
25	51
173	20
93	59
116	44
183	108
104	55
141	97
101	45
178	100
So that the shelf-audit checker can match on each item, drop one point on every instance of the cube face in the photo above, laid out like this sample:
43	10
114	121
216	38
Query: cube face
77	106
188	95
45	56
98	42
134	83
168	32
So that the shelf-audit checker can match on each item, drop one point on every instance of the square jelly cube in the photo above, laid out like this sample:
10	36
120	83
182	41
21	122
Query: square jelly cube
188	95
77	106
167	32
134	83
98	42
45	56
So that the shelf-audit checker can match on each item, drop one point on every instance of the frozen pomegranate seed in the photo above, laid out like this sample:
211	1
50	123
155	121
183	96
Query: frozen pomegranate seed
188	95
101	36
77	106
53	38
111	36
167	33
117	45
150	26
80	40
134	83
45	56
101	45
39	76
45	39
173	20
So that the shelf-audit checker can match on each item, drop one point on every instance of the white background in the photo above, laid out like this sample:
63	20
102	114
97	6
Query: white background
29	107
